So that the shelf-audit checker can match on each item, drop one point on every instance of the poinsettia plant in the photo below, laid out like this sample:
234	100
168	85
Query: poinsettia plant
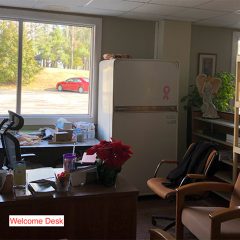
112	153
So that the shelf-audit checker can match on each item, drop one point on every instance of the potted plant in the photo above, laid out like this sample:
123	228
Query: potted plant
225	93
111	156
222	100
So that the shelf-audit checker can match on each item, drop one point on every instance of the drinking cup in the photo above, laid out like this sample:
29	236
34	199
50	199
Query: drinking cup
69	160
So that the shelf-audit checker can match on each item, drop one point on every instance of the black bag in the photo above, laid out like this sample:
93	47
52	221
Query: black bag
194	161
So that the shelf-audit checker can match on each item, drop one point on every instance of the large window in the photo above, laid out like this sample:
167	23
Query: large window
48	67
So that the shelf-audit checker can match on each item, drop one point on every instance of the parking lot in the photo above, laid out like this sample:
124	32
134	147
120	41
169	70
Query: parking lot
45	102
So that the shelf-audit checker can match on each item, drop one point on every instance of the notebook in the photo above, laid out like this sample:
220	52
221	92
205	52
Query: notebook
88	159
41	188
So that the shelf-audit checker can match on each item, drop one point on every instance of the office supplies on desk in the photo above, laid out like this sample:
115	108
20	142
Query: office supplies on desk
41	188
88	159
69	160
83	175
22	193
40	174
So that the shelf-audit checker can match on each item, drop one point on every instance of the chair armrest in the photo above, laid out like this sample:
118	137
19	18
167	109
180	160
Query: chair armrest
194	188
157	234
192	176
169	161
200	187
28	155
196	176
226	214
219	216
162	162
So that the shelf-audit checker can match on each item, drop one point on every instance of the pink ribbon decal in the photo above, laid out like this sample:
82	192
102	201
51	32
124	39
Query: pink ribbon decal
166	91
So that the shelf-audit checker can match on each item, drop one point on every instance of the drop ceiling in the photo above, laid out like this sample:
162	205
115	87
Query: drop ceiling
222	13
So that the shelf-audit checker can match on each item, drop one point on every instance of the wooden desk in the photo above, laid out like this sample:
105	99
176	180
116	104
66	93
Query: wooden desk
50	155
91	212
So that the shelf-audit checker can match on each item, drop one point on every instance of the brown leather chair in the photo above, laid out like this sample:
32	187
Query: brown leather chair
159	234
157	184
209	222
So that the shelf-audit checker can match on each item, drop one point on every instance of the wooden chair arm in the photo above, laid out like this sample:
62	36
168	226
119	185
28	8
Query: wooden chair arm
200	187
196	176
194	188
219	216
162	162
157	234
226	214
192	176
169	161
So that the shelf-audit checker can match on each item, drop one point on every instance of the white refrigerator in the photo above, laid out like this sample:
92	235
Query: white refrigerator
138	104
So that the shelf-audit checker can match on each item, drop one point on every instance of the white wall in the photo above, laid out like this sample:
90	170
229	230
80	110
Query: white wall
174	40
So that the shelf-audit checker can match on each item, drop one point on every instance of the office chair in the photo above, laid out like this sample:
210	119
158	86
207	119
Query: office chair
199	163
209	222
159	234
9	142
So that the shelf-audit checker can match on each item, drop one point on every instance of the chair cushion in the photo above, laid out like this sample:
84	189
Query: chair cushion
197	220
156	185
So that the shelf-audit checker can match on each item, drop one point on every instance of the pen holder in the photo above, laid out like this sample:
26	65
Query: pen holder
62	182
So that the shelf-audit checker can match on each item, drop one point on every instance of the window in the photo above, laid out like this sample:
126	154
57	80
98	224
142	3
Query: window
49	66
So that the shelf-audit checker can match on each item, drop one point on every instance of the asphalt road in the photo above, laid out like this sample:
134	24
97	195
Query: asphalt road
45	102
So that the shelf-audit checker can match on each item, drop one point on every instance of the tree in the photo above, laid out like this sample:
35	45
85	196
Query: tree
9	54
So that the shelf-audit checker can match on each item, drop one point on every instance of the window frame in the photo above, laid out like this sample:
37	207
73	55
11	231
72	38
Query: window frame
61	18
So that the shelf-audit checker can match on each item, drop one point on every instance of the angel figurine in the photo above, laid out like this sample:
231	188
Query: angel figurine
208	87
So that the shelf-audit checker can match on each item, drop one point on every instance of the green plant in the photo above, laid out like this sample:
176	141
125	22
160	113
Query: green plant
225	93
193	99
223	98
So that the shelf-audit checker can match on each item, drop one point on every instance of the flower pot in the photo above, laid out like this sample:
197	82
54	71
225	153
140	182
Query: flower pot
107	175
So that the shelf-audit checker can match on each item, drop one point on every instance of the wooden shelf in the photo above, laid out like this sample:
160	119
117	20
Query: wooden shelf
237	104
226	196
218	131
220	122
212	139
228	162
224	176
236	149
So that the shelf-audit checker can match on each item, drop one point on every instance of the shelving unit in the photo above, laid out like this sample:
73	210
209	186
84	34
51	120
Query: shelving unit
220	131
236	147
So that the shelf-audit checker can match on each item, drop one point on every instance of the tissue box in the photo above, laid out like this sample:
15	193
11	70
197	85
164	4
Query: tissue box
83	175
67	134
61	137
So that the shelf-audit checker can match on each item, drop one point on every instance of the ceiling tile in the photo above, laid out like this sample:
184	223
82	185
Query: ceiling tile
96	11
223	5
225	20
157	9
18	3
196	14
142	1
59	5
181	3
136	15
118	5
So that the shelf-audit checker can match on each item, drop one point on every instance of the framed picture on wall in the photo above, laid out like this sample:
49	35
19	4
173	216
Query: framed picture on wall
207	63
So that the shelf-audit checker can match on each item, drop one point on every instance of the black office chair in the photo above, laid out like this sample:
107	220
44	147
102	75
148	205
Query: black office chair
10	144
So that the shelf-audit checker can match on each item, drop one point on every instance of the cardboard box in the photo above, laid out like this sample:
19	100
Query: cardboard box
67	136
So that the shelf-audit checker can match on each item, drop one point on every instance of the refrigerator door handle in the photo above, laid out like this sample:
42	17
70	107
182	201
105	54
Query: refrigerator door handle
145	109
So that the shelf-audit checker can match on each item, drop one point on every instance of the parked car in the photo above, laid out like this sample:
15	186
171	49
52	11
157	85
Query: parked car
78	84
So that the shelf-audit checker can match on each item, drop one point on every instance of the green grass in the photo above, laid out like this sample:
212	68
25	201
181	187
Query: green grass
48	77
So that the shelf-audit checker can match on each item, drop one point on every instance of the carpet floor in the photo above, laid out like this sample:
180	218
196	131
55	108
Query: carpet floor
148	206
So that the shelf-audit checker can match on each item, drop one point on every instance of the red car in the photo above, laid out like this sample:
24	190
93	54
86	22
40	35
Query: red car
78	84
